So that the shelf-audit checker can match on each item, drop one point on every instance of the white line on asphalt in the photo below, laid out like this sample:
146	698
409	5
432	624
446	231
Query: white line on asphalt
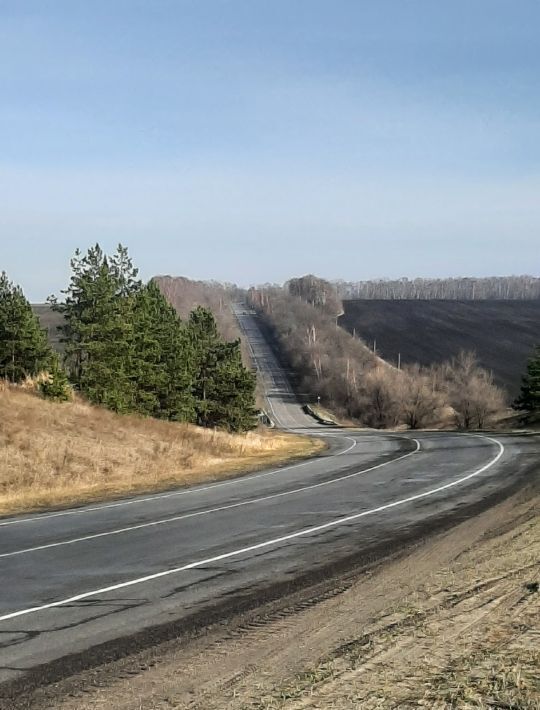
260	545
173	494
199	513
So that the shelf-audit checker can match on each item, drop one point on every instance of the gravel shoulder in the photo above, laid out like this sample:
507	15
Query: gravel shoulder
454	623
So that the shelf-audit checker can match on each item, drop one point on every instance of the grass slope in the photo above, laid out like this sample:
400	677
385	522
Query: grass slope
502	333
61	454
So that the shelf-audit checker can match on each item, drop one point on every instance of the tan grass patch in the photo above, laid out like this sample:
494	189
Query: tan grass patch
55	454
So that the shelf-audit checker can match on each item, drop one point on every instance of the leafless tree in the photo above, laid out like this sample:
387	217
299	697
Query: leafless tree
471	392
419	398
462	289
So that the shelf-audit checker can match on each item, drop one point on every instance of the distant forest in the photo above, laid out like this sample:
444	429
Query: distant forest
457	289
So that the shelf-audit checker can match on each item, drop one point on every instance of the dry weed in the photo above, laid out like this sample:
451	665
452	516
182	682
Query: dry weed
56	454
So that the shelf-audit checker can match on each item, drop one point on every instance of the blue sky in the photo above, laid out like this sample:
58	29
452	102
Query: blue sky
251	140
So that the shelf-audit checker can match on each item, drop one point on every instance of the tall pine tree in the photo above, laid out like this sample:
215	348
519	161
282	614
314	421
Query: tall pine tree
162	364
98	329
529	398
127	349
224	389
24	350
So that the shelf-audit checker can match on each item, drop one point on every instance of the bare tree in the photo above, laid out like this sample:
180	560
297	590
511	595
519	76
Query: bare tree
381	400
461	288
420	400
471	392
316	291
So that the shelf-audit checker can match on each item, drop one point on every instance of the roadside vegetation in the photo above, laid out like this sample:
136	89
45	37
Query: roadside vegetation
351	380
24	349
135	399
127	349
62	454
124	347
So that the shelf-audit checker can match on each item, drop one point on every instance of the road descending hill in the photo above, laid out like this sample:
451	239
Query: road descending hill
502	333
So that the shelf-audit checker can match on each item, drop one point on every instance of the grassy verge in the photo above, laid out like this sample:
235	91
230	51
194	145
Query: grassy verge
467	637
54	455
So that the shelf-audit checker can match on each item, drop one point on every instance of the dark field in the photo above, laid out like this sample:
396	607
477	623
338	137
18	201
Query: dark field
50	320
502	333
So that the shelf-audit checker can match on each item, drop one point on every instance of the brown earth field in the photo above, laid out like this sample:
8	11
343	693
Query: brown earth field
502	333
49	320
453	621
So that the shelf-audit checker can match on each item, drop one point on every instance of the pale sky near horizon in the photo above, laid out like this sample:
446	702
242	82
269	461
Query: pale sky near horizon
252	141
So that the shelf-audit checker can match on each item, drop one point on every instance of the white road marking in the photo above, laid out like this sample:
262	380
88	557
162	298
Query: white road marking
173	494
200	513
261	545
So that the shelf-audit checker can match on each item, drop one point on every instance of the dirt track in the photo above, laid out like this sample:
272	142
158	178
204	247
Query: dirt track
455	623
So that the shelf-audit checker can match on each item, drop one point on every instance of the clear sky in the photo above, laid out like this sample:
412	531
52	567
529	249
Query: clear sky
254	140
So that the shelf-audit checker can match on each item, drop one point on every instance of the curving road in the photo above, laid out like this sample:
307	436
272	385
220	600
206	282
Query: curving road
72	580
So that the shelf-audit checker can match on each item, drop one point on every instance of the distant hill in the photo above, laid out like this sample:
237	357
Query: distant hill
501	332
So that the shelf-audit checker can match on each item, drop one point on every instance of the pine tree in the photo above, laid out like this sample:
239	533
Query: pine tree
224	389
161	365
57	385
97	330
127	349
232	390
203	337
24	350
529	399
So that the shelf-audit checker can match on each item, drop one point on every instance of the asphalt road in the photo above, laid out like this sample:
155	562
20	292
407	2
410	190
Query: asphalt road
75	579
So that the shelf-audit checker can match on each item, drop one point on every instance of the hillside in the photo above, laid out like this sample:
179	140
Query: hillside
61	454
185	295
502	332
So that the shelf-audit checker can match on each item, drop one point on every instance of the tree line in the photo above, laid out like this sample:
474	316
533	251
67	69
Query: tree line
331	364
456	289
126	348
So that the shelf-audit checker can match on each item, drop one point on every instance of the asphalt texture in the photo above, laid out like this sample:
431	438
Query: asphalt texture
74	583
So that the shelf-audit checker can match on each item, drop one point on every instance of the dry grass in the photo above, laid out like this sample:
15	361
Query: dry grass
59	454
466	638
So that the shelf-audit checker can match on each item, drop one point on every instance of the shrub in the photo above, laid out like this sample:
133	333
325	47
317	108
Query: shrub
56	385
